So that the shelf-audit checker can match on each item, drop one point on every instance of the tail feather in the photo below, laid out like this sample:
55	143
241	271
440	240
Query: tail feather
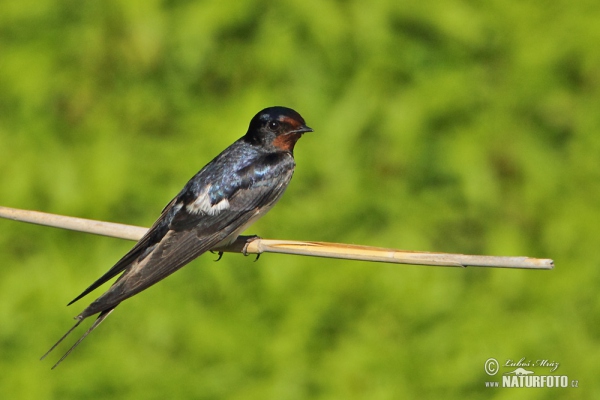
62	338
98	321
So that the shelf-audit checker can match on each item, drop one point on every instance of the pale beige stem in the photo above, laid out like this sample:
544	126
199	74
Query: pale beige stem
253	245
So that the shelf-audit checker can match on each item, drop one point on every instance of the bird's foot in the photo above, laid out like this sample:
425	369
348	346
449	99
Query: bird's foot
249	240
220	253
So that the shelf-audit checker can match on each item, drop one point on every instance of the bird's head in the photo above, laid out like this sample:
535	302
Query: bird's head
276	128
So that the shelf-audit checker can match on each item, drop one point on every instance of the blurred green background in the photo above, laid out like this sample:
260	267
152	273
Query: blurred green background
456	126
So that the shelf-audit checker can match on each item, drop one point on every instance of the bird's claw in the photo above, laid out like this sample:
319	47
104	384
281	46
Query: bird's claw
220	253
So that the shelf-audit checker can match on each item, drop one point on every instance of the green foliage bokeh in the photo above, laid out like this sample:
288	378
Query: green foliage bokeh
450	126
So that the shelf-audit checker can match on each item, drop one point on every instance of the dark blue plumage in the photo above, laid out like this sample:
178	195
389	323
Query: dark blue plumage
231	192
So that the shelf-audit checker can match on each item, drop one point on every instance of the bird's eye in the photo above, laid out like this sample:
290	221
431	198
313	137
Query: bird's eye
273	125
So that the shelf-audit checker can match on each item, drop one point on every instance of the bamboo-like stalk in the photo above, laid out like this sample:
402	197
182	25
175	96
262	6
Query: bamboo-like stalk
254	245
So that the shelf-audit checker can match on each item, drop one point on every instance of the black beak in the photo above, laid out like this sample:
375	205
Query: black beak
302	129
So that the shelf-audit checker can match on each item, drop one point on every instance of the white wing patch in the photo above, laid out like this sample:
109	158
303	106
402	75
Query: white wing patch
203	205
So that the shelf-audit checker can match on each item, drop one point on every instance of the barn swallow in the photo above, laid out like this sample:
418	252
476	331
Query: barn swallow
229	194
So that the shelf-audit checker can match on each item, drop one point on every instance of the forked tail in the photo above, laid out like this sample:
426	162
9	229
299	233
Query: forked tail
98	321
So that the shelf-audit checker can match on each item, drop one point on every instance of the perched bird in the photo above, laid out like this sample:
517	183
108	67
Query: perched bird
231	192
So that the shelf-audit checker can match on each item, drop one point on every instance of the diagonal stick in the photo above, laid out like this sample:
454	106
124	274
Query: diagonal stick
254	245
